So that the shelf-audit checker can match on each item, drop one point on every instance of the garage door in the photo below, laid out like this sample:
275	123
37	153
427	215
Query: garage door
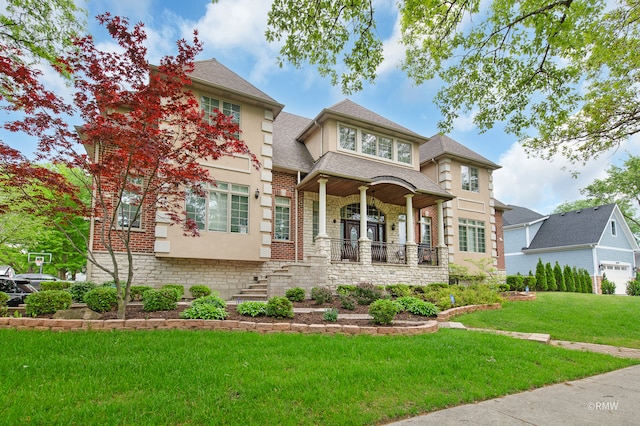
618	274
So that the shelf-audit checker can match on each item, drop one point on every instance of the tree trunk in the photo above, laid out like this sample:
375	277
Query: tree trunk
122	306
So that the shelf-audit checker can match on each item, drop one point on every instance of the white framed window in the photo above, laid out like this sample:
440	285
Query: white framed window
210	105
371	144
224	208
469	178
614	230
282	223
425	231
471	236
130	208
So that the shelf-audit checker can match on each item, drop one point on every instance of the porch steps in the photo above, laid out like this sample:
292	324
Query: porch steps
255	292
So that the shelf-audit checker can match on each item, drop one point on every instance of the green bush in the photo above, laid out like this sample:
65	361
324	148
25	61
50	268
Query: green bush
211	307
417	306
515	282
4	298
279	307
252	308
346	290
347	302
436	286
321	295
530	281
179	288
366	293
47	302
633	288
54	285
199	290
399	290
101	299
136	292
608	287
477	294
383	311
79	289
295	294
330	315
163	299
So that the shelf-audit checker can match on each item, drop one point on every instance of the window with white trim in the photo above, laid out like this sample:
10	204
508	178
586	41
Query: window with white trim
371	144
614	231
471	235
130	210
469	178
210	105
425	231
224	208
282	222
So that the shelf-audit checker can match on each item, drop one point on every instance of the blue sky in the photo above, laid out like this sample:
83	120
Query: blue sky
233	33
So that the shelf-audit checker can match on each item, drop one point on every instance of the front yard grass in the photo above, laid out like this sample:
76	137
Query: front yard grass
206	377
576	317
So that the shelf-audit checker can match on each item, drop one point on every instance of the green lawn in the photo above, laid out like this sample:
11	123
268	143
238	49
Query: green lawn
591	318
206	377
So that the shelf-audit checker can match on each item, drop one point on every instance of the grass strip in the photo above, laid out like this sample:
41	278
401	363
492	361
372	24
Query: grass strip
204	377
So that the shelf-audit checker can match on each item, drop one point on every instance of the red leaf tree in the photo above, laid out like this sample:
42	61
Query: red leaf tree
143	141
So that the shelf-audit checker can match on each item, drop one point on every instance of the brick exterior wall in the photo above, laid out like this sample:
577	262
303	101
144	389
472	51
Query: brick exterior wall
284	185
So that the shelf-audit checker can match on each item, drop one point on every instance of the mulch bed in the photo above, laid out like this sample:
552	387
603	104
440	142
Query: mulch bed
135	311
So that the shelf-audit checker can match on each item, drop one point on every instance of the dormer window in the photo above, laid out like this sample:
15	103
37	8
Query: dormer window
374	145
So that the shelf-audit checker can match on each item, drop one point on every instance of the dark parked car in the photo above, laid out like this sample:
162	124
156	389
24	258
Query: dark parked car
17	289
36	279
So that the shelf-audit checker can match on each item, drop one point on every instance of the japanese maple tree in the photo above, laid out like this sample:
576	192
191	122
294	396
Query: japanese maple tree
143	141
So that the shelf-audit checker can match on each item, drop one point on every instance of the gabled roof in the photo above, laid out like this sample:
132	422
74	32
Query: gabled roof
499	205
442	145
352	112
213	73
289	153
574	228
520	215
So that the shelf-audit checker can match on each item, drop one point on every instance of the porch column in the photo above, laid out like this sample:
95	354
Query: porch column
411	238
322	208
363	213
440	224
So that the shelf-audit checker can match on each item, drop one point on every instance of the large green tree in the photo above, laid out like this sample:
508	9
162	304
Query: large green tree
621	186
562	74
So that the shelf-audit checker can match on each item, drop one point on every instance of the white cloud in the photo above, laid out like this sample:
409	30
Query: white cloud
464	123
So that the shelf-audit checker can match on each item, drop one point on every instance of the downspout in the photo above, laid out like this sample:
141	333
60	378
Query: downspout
296	234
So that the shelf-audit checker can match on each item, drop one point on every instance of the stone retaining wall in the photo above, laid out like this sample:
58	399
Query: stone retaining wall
196	324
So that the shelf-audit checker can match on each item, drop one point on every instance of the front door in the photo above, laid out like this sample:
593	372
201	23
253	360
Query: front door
351	235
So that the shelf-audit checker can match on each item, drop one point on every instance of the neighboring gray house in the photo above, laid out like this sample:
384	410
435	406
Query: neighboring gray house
597	239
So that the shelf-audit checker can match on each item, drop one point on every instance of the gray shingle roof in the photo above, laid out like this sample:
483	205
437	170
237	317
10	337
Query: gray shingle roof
520	215
578	227
213	72
441	145
344	165
288	153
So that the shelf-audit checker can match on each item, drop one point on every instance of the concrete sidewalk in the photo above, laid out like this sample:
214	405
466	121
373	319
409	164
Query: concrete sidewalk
607	399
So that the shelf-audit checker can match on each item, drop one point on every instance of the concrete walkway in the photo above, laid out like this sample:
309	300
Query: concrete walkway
607	399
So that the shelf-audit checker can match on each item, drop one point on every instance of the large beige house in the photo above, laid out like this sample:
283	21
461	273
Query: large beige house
342	198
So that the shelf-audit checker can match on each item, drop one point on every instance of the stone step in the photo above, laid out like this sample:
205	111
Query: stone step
250	297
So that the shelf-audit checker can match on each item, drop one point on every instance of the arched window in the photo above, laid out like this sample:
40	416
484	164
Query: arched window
352	212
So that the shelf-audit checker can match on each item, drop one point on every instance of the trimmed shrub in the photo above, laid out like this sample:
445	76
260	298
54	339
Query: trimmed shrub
321	295
79	289
608	287
54	285
633	288
515	282
330	315
47	302
383	311
179	288
136	292
346	290
417	306
399	290
366	293
530	281
199	290
211	307
163	299
101	299
252	308
295	294
279	307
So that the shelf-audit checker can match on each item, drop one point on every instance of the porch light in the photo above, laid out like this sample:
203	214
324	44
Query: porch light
393	226
257	193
